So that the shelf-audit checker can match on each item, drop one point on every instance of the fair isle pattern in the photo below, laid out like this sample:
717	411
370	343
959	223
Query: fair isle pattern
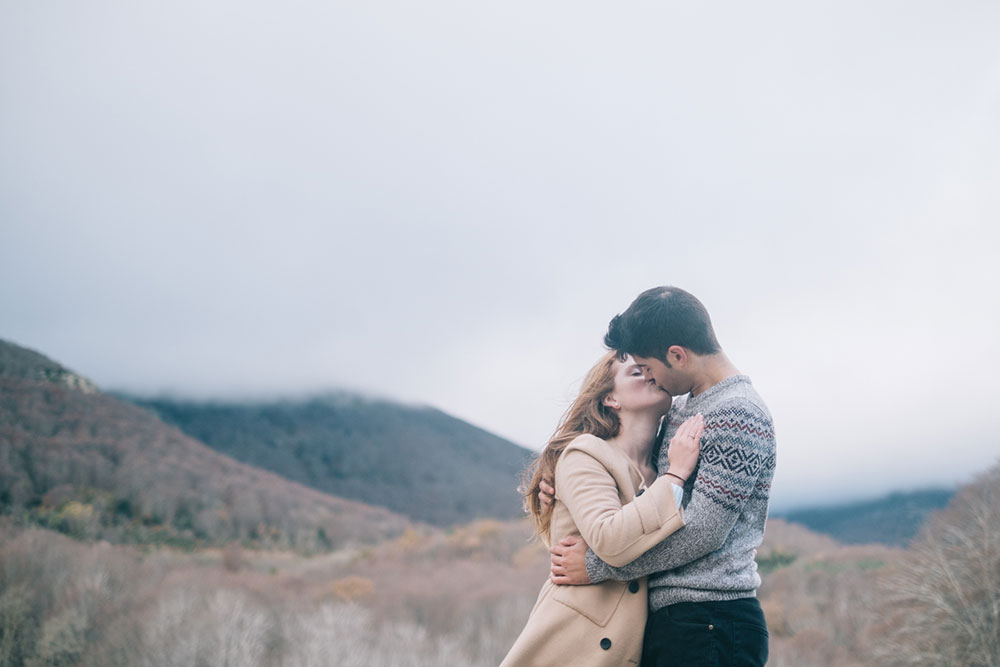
733	455
725	503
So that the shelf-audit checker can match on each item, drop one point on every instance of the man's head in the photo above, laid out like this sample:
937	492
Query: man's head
666	330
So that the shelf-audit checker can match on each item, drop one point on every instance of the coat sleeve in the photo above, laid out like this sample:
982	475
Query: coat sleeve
615	532
736	451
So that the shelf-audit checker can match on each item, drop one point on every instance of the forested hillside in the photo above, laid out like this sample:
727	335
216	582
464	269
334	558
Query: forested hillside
417	461
270	573
92	466
893	520
933	603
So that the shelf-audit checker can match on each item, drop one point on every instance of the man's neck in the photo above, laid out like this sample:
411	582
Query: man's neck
712	370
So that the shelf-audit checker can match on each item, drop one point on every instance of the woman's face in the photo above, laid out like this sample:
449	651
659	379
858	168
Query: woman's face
634	392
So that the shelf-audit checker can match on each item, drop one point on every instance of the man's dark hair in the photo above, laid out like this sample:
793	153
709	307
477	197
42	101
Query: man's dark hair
659	318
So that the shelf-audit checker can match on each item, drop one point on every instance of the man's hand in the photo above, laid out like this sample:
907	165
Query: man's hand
546	492
569	562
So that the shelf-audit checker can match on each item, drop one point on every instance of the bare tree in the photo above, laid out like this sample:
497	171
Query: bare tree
944	600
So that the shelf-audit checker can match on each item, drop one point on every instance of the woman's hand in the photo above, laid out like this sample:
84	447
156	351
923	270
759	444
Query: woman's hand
684	447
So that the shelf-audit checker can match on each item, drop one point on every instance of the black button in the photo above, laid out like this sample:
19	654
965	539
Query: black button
605	643
640	492
633	587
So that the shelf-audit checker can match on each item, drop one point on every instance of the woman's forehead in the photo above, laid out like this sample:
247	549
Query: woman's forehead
627	365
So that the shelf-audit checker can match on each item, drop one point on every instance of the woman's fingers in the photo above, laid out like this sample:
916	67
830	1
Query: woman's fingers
699	428
693	439
679	433
696	425
692	425
684	430
685	445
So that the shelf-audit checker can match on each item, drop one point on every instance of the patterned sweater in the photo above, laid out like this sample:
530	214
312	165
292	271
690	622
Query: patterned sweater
725	503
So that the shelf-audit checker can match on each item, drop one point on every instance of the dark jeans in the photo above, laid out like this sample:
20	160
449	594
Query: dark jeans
732	633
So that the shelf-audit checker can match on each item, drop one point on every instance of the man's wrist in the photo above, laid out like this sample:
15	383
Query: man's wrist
596	568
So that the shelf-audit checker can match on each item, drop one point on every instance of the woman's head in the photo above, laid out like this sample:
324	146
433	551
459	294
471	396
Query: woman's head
612	386
632	393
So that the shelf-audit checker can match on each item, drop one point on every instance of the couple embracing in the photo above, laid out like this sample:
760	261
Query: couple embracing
645	511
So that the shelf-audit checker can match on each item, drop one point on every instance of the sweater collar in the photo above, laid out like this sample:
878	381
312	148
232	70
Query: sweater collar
695	401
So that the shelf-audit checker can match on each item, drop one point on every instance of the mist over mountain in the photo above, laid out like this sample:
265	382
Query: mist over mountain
417	461
89	465
95	468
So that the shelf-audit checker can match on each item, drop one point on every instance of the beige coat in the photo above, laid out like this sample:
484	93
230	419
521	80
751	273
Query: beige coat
601	496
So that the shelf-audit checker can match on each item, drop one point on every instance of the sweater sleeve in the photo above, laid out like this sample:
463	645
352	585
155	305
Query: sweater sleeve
736	446
618	533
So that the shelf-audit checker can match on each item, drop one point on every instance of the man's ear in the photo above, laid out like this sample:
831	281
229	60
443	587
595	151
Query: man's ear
677	355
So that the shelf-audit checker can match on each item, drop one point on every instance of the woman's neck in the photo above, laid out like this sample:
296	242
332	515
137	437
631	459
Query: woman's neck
635	438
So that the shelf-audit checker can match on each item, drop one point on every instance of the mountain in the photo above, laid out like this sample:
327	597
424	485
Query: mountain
893	520
90	465
417	461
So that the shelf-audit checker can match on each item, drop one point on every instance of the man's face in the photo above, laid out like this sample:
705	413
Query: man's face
665	377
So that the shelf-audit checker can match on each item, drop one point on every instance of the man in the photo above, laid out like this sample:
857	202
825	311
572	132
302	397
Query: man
702	579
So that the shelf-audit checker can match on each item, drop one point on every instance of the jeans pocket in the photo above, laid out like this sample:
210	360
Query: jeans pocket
683	643
750	645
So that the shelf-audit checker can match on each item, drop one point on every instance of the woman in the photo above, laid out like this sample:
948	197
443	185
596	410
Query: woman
607	492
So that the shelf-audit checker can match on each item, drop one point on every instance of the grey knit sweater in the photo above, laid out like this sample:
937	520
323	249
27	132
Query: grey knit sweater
725	503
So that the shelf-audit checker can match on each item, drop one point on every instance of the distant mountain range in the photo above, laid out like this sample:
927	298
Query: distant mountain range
87	464
417	461
894	519
94	465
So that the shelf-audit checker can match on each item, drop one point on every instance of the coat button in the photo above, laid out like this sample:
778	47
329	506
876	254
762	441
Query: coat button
633	587
640	492
605	643
711	627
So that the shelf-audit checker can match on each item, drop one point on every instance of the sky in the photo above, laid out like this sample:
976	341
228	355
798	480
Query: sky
444	203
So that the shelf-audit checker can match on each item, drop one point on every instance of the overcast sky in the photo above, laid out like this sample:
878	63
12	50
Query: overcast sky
445	203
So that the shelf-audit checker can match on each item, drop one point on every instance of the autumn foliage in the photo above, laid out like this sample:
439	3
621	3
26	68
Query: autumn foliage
93	467
124	542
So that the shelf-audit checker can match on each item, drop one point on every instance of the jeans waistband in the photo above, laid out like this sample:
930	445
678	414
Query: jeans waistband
745	610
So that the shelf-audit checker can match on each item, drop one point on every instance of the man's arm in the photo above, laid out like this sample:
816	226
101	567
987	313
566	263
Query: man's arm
736	448
559	572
